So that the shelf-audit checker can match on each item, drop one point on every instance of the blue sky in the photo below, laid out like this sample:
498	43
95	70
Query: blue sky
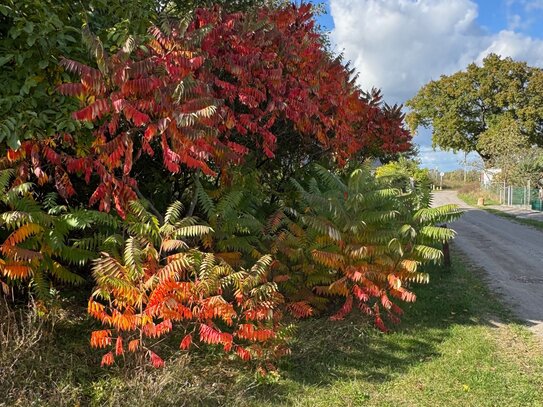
399	45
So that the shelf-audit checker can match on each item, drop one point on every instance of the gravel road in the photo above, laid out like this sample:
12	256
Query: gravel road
510	253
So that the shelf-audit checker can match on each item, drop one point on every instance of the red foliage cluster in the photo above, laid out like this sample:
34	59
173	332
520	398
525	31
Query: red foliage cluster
208	93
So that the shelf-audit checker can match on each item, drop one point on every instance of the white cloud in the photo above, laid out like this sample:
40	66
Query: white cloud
445	160
439	159
399	45
528	5
515	45
515	21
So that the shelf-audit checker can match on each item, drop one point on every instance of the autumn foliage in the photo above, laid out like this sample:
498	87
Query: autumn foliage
229	113
159	282
209	92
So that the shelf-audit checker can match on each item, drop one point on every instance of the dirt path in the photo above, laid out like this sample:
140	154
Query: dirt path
511	254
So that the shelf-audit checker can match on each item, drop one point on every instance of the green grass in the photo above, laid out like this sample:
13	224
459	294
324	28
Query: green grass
470	200
456	346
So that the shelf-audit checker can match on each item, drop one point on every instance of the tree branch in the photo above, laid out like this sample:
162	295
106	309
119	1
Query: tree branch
150	204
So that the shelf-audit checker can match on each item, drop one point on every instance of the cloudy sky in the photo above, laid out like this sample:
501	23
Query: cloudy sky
399	45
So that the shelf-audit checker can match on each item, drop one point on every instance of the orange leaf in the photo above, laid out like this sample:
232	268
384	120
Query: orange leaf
119	350
101	339
107	359
133	345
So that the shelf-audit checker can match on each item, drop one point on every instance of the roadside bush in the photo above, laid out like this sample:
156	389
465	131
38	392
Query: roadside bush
355	238
160	281
248	125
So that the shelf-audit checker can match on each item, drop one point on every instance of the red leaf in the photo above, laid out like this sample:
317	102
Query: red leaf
107	359
63	183
186	342
119	350
243	353
209	335
156	360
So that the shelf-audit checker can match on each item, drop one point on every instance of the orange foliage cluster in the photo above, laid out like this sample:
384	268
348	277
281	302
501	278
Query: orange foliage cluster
202	296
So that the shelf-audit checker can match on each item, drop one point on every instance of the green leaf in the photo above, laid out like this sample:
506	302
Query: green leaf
29	27
30	41
5	10
5	59
13	142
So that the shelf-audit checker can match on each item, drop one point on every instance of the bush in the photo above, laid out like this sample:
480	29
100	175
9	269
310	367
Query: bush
246	123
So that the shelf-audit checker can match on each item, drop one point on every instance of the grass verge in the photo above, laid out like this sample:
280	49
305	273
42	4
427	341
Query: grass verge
530	222
470	200
456	346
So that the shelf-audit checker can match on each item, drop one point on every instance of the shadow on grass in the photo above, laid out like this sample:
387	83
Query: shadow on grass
323	353
326	352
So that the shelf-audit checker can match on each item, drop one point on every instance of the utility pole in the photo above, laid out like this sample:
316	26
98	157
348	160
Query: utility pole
465	167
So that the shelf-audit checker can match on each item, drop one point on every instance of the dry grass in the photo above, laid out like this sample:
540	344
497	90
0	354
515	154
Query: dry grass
445	352
470	194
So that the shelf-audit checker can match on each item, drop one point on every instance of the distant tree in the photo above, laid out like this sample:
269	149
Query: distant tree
459	176
512	152
462	107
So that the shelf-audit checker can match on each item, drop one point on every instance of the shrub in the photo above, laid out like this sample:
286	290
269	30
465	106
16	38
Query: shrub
206	93
354	238
227	113
39	242
160	281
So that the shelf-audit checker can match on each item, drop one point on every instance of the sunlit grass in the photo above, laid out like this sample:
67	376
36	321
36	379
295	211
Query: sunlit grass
472	200
456	346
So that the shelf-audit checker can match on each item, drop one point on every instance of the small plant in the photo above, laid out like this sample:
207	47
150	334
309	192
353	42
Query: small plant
160	284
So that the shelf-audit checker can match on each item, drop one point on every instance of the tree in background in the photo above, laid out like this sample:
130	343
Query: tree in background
462	107
512	152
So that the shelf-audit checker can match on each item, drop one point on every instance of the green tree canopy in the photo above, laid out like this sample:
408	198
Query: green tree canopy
512	152
462	107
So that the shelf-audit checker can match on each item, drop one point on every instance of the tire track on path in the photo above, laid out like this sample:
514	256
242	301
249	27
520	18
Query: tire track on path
510	253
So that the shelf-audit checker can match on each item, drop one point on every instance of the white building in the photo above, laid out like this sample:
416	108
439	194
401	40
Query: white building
488	175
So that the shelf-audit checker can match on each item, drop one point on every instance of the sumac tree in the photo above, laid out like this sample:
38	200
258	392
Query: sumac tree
227	112
211	91
157	283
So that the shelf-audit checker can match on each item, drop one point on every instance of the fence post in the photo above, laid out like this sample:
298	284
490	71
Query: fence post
529	203
510	195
